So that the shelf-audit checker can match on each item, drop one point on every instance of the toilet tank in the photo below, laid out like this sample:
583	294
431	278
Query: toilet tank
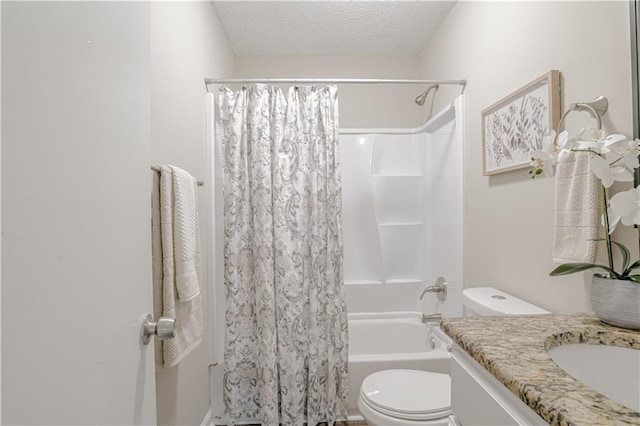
486	301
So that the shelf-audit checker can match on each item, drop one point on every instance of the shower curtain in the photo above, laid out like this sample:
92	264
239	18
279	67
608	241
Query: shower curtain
286	320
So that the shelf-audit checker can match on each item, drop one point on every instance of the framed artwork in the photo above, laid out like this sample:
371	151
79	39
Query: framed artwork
513	127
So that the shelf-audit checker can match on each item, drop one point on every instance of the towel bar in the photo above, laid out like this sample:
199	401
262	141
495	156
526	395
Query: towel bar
596	108
157	169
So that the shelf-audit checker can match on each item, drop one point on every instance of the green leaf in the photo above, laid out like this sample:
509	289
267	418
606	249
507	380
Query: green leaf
635	265
572	268
626	255
635	278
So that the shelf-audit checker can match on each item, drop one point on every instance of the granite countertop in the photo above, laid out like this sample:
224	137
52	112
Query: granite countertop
514	349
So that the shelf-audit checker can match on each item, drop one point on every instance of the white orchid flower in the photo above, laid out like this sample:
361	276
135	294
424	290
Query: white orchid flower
623	153
613	220
582	145
626	206
554	146
609	174
542	162
564	142
548	140
614	142
591	140
594	135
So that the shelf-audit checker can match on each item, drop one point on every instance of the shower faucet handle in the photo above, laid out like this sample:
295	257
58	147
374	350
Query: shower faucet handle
440	288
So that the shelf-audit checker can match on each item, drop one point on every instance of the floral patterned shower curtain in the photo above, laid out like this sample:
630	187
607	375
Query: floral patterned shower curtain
286	321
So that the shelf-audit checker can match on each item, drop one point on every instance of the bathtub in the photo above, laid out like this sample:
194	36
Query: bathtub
392	340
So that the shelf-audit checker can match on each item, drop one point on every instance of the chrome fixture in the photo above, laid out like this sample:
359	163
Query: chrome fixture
432	343
440	288
423	96
163	329
431	318
597	107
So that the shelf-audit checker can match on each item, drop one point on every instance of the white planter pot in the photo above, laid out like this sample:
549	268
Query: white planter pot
616	302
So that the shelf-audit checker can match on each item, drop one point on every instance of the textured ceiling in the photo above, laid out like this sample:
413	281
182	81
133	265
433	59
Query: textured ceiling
328	27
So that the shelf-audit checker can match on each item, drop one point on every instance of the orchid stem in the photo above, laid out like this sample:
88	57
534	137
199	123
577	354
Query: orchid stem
589	150
638	229
607	237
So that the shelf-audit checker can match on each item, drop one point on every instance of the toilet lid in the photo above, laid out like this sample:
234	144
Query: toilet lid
408	394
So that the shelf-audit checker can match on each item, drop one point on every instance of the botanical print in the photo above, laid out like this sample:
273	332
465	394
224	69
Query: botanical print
286	320
515	130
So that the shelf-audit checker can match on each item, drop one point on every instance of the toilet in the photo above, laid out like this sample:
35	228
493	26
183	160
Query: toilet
422	398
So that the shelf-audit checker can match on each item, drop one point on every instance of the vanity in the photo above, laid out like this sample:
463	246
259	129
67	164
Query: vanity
503	373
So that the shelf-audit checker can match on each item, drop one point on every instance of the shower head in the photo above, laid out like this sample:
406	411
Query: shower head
423	96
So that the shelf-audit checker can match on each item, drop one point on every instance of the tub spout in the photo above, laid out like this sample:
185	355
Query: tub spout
431	318
440	288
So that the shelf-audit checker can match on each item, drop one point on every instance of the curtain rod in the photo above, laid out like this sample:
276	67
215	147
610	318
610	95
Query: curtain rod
208	81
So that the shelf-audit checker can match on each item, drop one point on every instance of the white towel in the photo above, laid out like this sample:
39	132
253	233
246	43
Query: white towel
185	233
578	210
176	257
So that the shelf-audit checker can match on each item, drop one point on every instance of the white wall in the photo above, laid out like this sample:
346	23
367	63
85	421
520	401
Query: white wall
499	47
187	45
360	105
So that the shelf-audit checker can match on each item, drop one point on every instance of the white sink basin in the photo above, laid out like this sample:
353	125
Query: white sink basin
611	370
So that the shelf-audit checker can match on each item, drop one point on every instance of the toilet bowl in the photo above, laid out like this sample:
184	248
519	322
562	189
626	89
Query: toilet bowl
421	398
405	397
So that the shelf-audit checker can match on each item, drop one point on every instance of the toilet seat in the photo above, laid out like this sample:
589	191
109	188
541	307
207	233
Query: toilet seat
408	394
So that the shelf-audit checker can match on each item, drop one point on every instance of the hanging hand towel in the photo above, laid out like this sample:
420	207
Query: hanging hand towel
185	233
176	281
578	210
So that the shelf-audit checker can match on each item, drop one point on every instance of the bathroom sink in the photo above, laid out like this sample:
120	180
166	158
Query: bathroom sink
611	370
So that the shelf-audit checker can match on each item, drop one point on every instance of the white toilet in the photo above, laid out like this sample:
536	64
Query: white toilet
420	398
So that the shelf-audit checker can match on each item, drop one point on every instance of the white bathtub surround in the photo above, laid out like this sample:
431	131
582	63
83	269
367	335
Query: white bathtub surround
286	328
176	263
393	340
403	214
